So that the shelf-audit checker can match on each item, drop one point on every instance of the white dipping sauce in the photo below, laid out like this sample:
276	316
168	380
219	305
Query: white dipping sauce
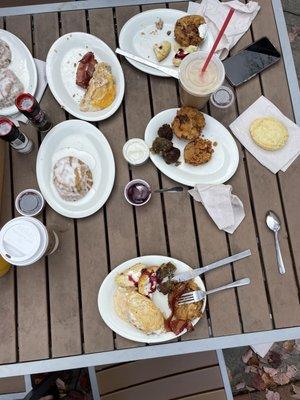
136	151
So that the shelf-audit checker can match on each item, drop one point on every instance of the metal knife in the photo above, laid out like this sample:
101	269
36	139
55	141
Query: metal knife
186	276
168	71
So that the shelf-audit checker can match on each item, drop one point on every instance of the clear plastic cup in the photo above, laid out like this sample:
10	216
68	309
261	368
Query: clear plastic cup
196	88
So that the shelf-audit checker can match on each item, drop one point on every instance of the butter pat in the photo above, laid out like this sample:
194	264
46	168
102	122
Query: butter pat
202	30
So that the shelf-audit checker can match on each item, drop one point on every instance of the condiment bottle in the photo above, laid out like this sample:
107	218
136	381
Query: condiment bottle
29	106
10	133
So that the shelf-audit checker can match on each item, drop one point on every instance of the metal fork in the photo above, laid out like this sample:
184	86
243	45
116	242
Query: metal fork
198	295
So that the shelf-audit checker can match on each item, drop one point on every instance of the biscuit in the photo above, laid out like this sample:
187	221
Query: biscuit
269	133
186	30
188	123
198	152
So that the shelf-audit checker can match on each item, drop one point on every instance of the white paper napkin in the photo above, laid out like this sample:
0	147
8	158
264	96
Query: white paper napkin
261	349
273	160
225	208
215	13
41	86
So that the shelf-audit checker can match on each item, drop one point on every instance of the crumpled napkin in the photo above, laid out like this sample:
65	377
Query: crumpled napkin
225	208
273	160
215	13
41	86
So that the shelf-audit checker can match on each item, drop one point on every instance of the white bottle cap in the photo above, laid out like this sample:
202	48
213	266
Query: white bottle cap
23	241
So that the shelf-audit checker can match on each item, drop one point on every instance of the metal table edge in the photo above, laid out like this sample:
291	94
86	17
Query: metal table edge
75	5
140	353
192	346
288	59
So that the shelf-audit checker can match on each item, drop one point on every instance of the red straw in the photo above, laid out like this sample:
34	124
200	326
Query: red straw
222	30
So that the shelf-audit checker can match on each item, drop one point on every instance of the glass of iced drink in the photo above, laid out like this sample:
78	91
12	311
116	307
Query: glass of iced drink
196	87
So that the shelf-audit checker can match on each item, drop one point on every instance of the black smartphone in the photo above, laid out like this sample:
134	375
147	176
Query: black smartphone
249	62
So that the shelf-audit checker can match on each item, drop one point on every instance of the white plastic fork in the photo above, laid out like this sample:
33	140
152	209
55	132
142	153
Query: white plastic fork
198	295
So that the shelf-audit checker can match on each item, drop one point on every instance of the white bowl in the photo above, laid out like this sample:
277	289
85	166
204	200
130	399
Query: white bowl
106	303
82	140
61	66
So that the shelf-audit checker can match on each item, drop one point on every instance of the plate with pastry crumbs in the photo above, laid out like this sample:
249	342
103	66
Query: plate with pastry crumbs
151	35
85	76
138	300
75	169
191	147
17	71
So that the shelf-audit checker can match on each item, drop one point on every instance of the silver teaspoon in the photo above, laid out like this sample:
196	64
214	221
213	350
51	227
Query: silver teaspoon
273	223
172	189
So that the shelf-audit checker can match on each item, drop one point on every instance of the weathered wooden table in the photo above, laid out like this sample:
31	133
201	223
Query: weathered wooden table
48	312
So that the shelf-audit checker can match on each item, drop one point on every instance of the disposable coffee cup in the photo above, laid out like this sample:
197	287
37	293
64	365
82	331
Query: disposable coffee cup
196	87
25	240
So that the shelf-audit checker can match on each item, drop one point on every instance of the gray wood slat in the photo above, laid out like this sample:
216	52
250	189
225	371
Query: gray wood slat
7	288
213	245
120	217
15	384
63	284
92	247
253	318
281	97
7	284
282	289
173	387
32	300
138	113
150	226
177	205
135	373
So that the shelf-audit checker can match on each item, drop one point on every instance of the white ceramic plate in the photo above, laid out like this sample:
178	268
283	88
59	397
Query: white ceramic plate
106	304
22	64
84	141
139	35
219	169
61	66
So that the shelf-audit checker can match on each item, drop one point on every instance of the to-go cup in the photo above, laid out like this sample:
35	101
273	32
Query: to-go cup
25	240
196	88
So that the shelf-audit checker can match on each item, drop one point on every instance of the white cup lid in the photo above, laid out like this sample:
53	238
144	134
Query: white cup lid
23	241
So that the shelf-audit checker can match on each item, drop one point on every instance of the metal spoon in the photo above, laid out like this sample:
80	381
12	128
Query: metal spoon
172	189
273	223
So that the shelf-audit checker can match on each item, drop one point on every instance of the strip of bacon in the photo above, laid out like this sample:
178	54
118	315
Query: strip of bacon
85	70
178	325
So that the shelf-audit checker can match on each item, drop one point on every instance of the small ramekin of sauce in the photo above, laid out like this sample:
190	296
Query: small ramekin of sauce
137	192
136	152
29	202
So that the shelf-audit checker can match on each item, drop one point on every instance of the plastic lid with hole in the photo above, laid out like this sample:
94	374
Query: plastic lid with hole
23	241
